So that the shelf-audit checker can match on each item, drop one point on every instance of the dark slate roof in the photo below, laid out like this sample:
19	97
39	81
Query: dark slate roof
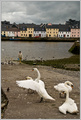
4	27
75	26
63	27
38	28
13	29
26	25
23	26
31	25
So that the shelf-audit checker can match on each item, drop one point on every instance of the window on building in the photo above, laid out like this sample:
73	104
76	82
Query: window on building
23	28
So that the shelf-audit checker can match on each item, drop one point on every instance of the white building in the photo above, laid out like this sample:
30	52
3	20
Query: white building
66	34
64	31
11	34
39	31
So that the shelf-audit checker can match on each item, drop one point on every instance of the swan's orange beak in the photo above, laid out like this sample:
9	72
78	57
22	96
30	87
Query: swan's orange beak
72	86
32	69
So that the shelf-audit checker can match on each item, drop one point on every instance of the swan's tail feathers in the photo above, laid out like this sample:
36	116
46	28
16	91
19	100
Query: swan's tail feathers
50	98
62	110
45	95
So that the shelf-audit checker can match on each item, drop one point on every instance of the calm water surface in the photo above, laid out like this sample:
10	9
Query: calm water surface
35	50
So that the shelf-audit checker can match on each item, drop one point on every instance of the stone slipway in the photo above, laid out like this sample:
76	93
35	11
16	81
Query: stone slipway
23	105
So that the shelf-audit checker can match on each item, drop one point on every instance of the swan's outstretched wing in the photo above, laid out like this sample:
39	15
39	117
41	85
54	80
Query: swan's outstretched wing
34	86
42	83
60	87
28	84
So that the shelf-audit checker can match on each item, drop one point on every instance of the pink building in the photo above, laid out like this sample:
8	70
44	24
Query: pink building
75	32
17	33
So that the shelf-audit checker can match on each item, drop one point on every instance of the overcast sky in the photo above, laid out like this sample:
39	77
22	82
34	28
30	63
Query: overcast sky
40	11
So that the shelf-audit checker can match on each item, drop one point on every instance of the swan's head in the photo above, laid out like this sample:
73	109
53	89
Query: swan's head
28	78
34	69
69	83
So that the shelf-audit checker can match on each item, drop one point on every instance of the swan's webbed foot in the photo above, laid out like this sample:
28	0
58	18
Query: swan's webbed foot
41	99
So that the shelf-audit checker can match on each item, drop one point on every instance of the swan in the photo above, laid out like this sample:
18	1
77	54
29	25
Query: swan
69	105
35	86
38	78
67	84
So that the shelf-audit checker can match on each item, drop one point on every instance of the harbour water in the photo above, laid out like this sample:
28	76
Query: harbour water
35	50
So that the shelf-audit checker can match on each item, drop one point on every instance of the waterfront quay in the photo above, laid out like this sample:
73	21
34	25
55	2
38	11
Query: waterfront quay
40	39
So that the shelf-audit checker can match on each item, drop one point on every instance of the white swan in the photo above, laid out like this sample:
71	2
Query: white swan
69	105
63	85
38	78
36	85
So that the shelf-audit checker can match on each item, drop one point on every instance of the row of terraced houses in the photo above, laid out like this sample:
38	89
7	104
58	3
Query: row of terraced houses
71	29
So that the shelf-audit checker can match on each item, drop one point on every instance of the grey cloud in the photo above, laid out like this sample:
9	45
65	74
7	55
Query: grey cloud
40	11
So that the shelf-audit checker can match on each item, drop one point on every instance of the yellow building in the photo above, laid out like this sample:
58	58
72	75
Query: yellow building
4	33
52	30
23	33
30	32
27	30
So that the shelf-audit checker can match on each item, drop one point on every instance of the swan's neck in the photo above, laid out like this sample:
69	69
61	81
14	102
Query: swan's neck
67	92
38	78
67	95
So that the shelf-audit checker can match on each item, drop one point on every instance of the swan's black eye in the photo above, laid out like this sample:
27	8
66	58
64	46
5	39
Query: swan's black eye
67	83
